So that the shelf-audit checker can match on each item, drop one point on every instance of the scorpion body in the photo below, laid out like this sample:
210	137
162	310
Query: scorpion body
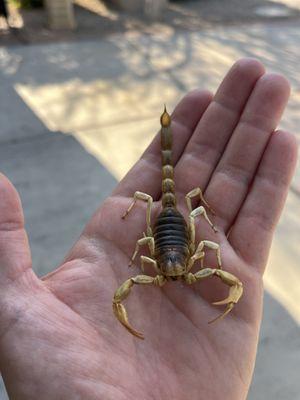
170	230
172	241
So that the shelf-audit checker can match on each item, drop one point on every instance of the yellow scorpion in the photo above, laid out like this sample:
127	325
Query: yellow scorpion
172	241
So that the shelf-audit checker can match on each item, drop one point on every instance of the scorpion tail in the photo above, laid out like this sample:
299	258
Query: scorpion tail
168	186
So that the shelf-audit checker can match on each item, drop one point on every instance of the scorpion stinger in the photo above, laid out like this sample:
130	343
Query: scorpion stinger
172	241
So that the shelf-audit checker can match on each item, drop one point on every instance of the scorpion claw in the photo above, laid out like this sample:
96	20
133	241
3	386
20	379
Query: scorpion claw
123	292
227	311
121	314
236	287
235	292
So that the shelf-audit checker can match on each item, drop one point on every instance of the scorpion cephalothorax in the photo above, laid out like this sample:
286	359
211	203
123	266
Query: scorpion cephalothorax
172	241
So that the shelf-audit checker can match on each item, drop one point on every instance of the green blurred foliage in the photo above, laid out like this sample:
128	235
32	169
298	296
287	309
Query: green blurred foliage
28	3
31	3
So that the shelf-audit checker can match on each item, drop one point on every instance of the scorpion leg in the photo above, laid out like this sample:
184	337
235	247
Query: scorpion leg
145	240
149	260
199	253
193	193
123	292
144	197
235	291
195	213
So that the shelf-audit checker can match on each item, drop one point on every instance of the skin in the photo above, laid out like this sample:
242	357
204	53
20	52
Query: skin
58	336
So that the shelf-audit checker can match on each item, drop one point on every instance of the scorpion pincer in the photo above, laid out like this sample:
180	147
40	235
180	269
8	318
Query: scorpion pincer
172	241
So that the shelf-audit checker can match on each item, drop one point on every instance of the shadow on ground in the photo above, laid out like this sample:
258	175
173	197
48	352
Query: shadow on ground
96	19
60	184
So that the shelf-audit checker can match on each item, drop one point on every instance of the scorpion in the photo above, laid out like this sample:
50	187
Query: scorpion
172	241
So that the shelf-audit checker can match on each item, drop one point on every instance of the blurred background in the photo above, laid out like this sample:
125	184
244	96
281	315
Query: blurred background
82	85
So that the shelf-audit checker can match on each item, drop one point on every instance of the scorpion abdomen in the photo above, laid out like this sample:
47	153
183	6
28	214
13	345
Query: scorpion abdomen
171	242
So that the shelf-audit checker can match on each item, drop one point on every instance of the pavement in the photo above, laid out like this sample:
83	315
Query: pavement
77	114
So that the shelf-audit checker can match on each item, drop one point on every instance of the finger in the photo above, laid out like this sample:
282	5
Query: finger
145	175
14	249
234	173
252	232
216	126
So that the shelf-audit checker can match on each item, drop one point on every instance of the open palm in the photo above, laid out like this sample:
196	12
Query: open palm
58	336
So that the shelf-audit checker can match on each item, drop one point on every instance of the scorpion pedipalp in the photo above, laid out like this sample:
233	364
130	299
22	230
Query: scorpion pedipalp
121	313
235	293
123	292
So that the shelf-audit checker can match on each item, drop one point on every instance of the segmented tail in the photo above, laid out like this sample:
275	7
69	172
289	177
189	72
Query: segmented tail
168	186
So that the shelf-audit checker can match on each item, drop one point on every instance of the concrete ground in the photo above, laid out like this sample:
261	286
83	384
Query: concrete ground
78	113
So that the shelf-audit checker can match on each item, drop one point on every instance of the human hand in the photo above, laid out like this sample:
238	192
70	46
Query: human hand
58	336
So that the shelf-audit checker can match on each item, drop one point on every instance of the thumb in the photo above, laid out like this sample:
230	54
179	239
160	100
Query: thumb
17	279
15	256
